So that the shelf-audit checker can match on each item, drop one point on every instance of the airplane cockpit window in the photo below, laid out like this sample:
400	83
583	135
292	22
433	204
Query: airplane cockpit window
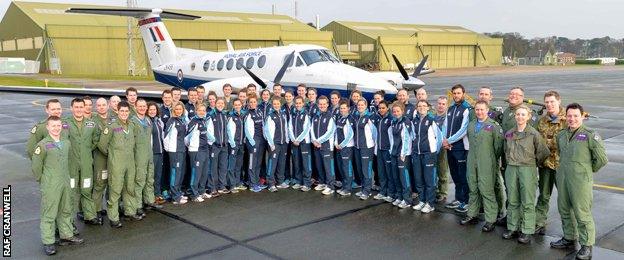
261	61
230	64
220	64
250	63
299	62
313	56
239	63
206	65
330	56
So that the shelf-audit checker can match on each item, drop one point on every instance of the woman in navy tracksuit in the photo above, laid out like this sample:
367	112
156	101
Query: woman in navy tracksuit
399	135
299	127
197	142
255	142
322	135
157	148
364	142
276	133
175	131
344	147
383	121
427	140
219	151
236	140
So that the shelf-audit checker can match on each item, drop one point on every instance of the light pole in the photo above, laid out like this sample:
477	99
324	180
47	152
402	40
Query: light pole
540	58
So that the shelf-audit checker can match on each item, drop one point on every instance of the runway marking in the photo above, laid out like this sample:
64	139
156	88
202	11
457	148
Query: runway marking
36	103
609	187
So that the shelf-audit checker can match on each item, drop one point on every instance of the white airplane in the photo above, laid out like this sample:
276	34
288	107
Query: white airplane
312	65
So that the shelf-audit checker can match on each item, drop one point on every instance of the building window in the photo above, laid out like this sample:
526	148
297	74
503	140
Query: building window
261	61
230	64
250	63
220	65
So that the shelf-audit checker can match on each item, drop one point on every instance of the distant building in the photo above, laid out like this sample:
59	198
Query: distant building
537	57
605	60
565	58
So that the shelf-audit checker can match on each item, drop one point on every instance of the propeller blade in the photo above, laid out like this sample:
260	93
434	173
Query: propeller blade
420	67
255	78
401	69
282	70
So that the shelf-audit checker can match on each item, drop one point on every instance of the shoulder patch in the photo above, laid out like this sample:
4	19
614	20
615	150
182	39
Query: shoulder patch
33	130
597	137
38	150
106	131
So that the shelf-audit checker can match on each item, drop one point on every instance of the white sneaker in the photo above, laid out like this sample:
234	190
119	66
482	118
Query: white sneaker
344	193
206	196
198	199
273	188
328	191
283	186
379	197
419	206
363	196
305	188
388	199
184	197
320	187
181	202
396	202
427	208
296	186
359	194
403	205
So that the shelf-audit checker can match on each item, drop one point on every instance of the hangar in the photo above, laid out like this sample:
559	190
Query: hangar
372	45
81	44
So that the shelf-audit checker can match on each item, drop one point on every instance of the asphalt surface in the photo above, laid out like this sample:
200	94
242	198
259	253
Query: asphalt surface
294	225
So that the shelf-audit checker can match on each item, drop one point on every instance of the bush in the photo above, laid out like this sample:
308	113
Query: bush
619	62
588	62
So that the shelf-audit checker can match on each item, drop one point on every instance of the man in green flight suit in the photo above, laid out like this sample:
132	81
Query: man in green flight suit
582	153
50	165
549	126
102	119
118	142
84	135
486	144
144	179
38	132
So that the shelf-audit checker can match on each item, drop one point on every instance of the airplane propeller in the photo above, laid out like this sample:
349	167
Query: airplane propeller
278	76
417	72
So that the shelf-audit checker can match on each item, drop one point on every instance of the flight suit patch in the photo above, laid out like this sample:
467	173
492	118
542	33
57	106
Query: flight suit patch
488	128
581	137
509	135
33	130
106	131
90	124
38	150
596	137
50	146
118	129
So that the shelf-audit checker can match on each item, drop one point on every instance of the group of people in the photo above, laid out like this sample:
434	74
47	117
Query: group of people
138	155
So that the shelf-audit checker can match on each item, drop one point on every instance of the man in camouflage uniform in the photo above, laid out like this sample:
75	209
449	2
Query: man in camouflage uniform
548	126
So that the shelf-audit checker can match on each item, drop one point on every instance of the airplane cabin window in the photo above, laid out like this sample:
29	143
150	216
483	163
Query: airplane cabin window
250	63
230	64
206	65
261	61
220	65
312	56
299	62
239	63
193	66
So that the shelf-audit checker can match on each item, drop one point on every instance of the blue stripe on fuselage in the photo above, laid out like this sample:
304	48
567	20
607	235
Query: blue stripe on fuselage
188	82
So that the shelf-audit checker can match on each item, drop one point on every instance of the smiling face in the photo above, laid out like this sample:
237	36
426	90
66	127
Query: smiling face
361	106
266	95
201	111
141	107
123	113
422	108
485	94
421	94
277	90
402	96
77	109
227	91
355	97
344	109
288	97
152	111
516	97
383	109
335	99
458	95
322	104
167	99
212	100
54	109
220	104
276	104
397	111
237	105
552	105
101	106
192	96
312	95
131	97
299	103
301	91
574	118
88	107
481	111
54	128
378	98
441	106
176	95
522	116
178	110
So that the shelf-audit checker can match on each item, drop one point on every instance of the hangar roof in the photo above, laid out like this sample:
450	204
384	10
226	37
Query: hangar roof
374	30
54	13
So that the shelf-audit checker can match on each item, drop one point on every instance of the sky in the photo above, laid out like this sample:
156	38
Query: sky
532	18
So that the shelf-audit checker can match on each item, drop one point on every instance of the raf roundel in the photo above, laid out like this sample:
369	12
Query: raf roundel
180	76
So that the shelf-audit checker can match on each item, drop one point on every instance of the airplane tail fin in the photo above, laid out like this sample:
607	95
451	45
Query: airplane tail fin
158	43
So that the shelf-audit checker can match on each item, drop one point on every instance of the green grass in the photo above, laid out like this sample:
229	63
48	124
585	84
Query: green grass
26	81
100	77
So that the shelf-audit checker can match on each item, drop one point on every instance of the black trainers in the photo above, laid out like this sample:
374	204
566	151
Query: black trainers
540	230
487	227
524	238
49	249
563	244
80	215
135	217
468	220
510	234
141	213
152	206
94	222
75	229
115	224
584	253
71	241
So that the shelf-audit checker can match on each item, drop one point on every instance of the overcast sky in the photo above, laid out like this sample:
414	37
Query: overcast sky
531	18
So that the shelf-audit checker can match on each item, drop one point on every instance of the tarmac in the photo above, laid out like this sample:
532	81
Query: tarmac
291	224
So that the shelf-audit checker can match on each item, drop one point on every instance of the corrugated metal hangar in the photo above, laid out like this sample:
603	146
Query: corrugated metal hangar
98	45
372	45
